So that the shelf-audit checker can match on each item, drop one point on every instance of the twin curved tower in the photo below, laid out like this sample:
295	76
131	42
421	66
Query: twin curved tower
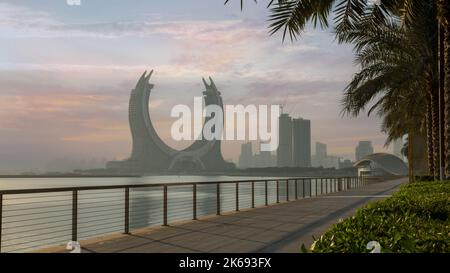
151	154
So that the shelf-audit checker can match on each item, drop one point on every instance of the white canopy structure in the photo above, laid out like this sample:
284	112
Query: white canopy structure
381	164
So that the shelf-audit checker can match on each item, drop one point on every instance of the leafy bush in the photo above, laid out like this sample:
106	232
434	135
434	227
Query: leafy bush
415	219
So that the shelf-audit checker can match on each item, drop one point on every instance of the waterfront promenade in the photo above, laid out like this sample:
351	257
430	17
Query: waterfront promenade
277	228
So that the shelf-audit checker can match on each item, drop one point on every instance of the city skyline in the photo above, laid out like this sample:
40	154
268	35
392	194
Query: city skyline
66	73
320	157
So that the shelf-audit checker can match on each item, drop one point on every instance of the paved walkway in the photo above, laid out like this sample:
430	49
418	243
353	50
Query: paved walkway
278	228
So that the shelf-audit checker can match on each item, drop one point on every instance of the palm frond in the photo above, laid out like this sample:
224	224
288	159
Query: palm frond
291	16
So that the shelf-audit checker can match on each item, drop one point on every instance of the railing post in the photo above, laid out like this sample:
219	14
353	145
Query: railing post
75	215
321	186
266	193
165	206
1	220
315	182
310	187
194	201
127	210
237	196
326	185
303	188
218	198
296	189
287	189
253	194
278	191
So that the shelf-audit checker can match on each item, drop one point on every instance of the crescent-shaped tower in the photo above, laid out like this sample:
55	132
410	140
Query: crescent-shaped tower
151	154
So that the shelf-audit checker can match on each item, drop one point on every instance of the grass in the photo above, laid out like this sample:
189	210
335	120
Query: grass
415	219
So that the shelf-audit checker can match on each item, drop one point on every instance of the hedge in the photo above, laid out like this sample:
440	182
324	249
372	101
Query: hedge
414	219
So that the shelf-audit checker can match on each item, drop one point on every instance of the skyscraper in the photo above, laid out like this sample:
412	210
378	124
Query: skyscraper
363	149
321	154
245	159
397	148
284	152
302	142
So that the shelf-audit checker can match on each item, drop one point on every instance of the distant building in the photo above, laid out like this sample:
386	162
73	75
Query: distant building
321	155
301	134
284	151
363	149
347	163
245	159
321	150
264	159
332	162
397	148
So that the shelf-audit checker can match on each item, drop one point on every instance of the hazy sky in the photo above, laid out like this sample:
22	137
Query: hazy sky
66	73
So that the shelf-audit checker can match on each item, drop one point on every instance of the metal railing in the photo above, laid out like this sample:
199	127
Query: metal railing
35	218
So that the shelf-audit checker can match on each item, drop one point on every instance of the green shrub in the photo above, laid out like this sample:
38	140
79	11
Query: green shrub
415	219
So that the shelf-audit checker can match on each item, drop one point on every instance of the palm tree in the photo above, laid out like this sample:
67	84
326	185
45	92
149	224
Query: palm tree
444	81
399	75
291	17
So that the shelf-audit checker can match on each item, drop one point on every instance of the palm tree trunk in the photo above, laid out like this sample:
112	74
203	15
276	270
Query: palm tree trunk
444	20
435	130
447	99
441	95
430	137
410	157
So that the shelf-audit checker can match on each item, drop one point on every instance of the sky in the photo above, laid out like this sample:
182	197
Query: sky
66	73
